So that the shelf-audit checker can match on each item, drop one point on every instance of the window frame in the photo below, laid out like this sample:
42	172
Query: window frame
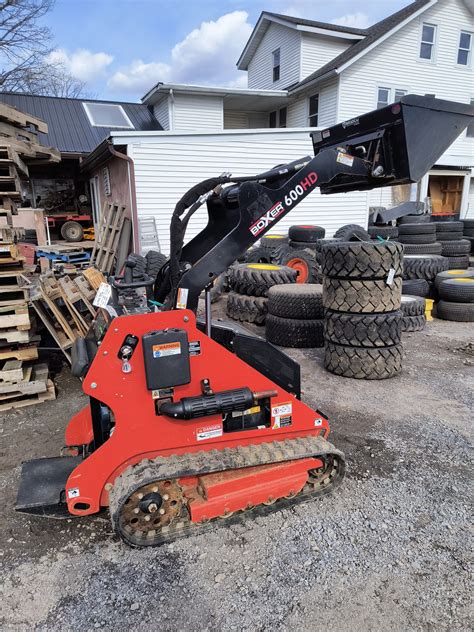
90	116
283	109
275	112
310	116
469	50
392	98
432	57
276	68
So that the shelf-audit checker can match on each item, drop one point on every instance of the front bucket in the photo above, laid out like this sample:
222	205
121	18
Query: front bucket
400	142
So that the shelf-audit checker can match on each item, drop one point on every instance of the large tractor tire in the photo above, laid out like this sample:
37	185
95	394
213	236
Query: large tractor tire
303	261
306	233
72	231
255	279
363	330
362	260
362	296
247	309
293	332
362	363
352	232
296	301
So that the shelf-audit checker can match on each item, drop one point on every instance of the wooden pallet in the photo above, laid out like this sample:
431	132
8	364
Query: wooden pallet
15	316
75	300
32	379
105	247
12	335
59	304
10	234
20	401
27	352
94	278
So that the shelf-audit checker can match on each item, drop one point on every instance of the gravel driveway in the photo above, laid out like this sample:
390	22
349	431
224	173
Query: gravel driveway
388	551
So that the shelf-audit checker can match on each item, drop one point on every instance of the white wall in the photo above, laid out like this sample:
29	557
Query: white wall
190	113
168	164
235	120
260	69
161	113
470	201
298	111
317	50
395	63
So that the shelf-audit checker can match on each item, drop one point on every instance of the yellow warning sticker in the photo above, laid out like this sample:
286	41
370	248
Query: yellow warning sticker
182	299
166	349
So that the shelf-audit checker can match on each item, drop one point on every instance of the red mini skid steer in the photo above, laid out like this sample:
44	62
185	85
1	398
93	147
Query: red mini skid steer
190	422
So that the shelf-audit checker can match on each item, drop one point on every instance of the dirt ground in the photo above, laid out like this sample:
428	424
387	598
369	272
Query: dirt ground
389	550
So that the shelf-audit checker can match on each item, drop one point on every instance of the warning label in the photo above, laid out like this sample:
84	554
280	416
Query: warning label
345	159
166	349
194	348
182	299
282	415
209	432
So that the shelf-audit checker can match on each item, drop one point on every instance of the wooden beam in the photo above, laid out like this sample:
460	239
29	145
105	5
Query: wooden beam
11	114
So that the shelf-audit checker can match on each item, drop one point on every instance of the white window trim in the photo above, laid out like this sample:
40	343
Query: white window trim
277	118
434	50
307	109
391	94
469	138
469	57
277	50
91	119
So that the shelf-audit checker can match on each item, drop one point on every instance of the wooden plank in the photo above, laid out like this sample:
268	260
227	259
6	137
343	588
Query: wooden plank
34	379
19	319
30	400
11	370
18	162
22	353
12	335
16	297
94	277
12	114
7	129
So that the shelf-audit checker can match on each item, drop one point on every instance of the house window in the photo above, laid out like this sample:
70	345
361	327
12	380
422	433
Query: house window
277	118
282	117
313	110
464	51
272	119
276	64
470	128
399	94
428	34
383	97
111	115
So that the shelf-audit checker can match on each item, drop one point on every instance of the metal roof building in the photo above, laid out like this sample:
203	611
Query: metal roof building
71	128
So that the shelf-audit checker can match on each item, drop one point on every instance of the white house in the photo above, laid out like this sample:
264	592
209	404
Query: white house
304	73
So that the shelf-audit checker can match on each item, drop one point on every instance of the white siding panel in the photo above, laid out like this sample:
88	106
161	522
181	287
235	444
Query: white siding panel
161	112
260	70
298	111
235	120
395	64
317	50
193	113
470	208
167	166
258	120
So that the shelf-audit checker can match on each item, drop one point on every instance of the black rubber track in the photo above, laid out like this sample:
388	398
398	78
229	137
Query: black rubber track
448	227
154	262
383	231
414	219
287	256
412	305
363	330
247	309
300	301
361	297
455	263
273	241
306	233
413	323
363	364
452	274
352	232
258	255
429	238
462	312
455	248
417	229
292	332
366	260
457	290
423	266
253	281
416	287
423	249
447	237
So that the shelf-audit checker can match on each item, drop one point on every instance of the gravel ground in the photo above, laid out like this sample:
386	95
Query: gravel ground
387	551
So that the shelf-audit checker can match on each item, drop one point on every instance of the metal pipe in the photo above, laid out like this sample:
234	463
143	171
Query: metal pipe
207	294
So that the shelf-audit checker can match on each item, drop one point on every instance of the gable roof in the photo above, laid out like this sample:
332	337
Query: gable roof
372	36
69	128
266	18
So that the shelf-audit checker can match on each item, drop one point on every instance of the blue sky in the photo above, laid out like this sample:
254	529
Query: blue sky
120	48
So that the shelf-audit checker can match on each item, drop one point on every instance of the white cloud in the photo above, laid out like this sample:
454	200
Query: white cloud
207	55
82	64
355	20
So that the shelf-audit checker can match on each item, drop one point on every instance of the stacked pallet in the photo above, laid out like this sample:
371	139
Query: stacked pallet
23	380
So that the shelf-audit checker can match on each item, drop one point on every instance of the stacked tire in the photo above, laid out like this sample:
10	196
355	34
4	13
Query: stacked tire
361	296
383	231
456	293
419	239
413	313
295	316
305	236
453	244
249	284
419	273
468	232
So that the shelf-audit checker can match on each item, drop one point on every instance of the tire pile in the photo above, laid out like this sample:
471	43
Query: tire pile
419	273
249	284
468	232
453	246
413	313
456	293
295	316
361	296
419	239
383	232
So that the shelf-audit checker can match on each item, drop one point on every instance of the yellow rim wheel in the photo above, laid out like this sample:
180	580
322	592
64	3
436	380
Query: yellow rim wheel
263	266
456	271
274	236
464	280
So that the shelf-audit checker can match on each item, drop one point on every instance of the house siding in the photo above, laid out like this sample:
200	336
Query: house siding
196	112
470	201
167	165
394	63
162	114
317	50
235	120
298	111
260	69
